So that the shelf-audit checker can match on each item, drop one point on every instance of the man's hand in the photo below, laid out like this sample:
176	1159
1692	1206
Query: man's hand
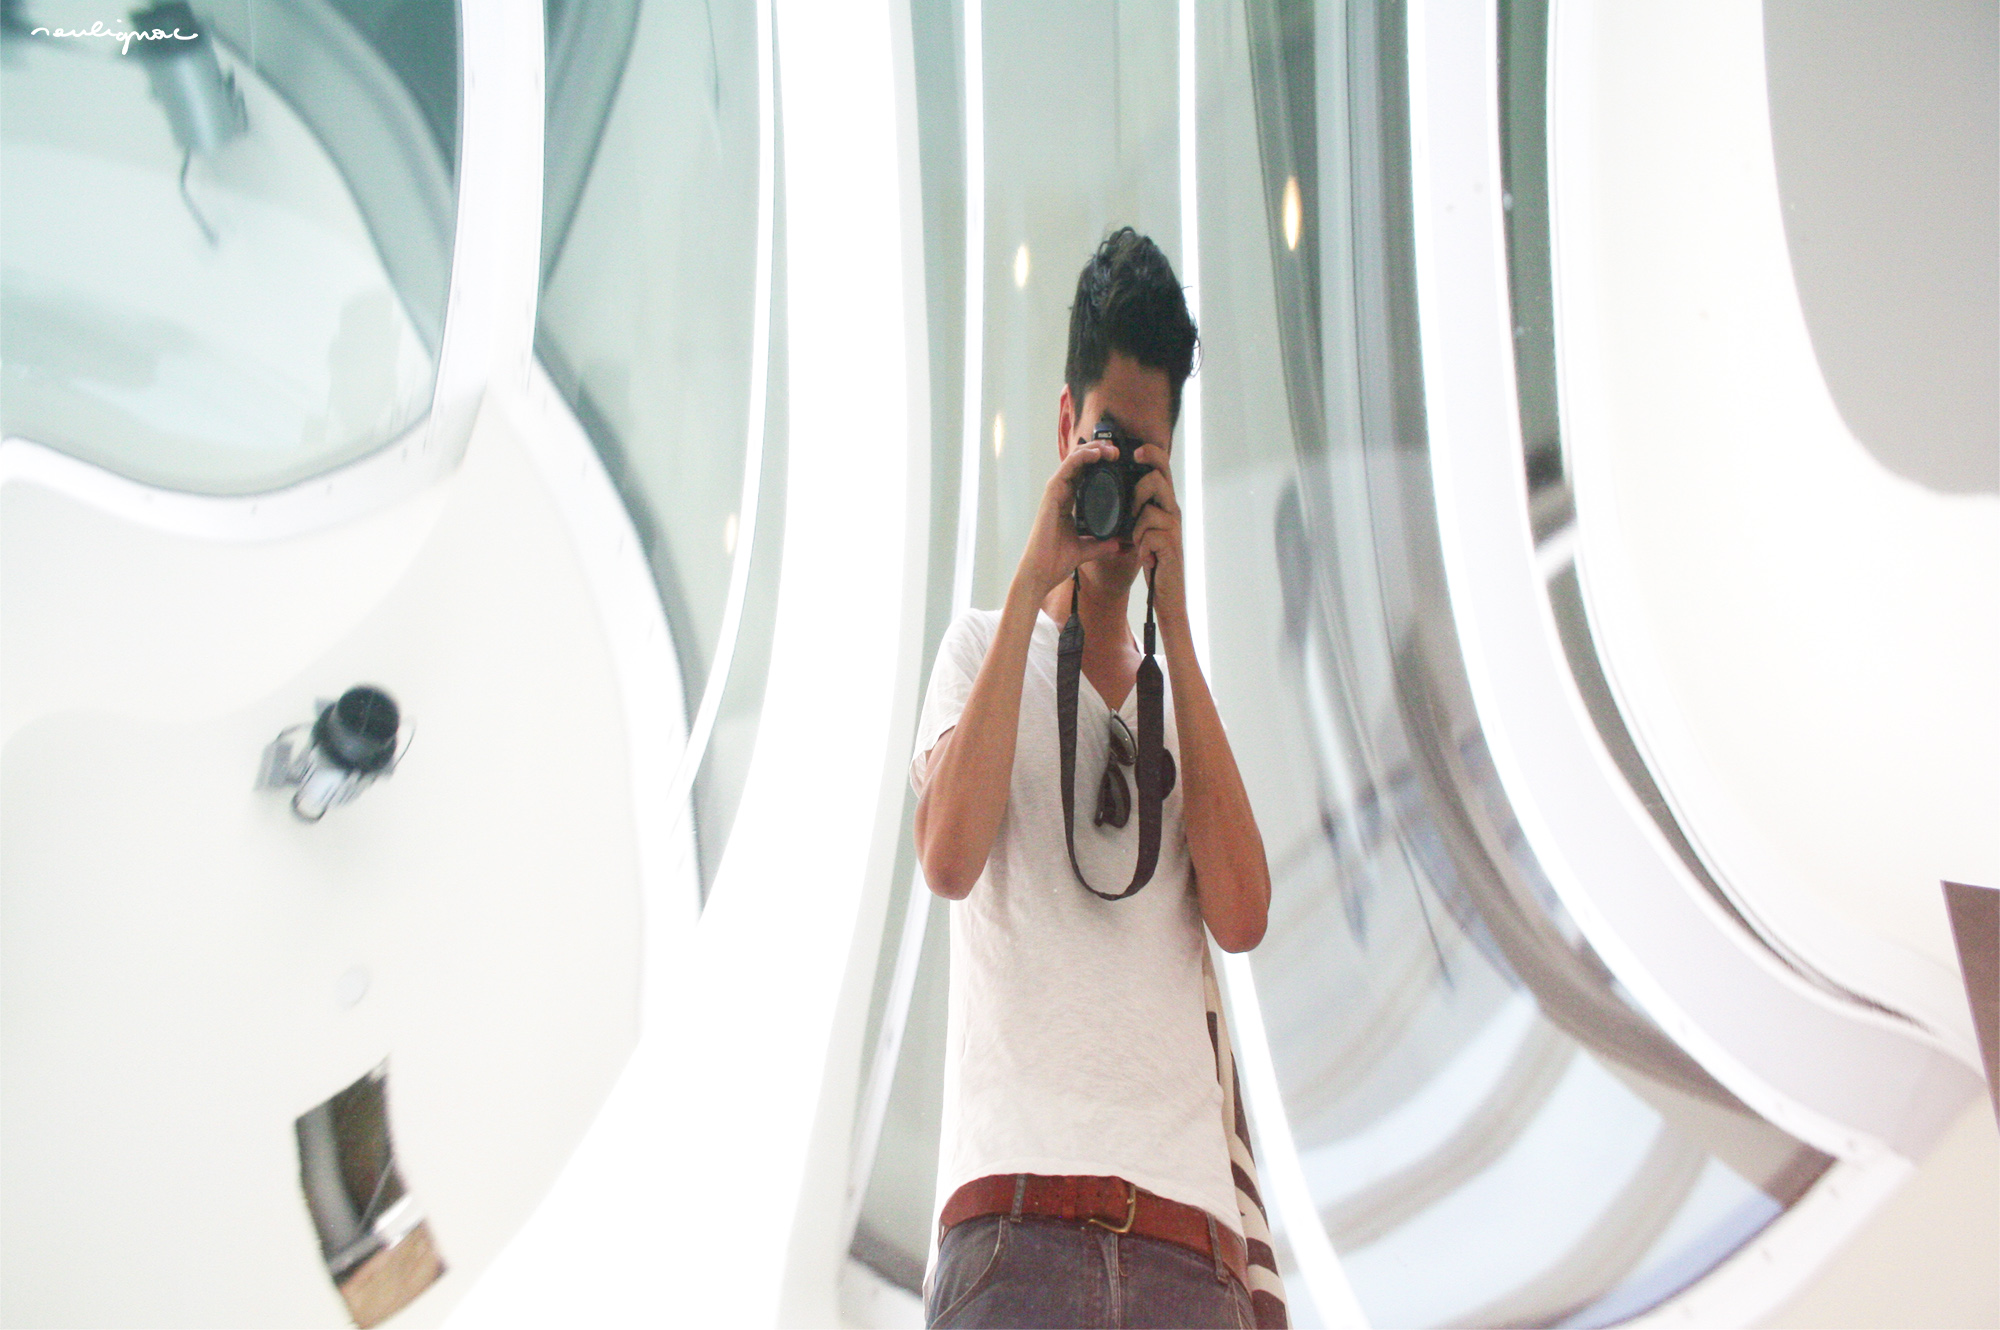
972	765
1157	535
1055	547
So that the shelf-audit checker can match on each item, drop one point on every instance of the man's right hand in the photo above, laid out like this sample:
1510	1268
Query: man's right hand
1055	548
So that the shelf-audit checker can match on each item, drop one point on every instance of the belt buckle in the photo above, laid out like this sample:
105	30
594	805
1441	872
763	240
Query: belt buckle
1131	1212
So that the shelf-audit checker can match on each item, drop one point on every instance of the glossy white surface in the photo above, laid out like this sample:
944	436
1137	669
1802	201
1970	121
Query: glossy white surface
1839	1076
178	946
1802	642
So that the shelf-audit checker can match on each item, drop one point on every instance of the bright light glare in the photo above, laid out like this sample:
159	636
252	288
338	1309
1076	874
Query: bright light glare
1294	213
1021	265
999	432
729	534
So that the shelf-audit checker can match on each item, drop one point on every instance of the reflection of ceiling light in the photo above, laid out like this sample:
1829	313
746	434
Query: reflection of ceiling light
729	534
1294	213
999	418
1021	265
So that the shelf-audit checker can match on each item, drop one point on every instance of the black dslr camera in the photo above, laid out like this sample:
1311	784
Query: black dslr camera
1106	505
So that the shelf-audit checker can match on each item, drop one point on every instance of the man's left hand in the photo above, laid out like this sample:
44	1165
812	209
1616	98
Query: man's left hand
1157	533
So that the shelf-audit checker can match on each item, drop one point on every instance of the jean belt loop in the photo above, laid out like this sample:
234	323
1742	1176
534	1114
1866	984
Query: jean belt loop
1215	1251
1020	1194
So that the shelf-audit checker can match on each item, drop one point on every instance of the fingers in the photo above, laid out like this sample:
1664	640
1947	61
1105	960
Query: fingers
1081	456
1155	492
1091	551
1157	533
1156	487
1063	483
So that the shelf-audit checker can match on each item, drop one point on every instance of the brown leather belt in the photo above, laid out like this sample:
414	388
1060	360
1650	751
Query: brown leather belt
1111	1203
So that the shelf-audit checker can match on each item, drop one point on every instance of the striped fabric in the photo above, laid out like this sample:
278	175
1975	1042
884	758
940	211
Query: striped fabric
1267	1291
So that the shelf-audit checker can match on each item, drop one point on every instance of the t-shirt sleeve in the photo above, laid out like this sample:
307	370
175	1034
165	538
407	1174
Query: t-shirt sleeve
959	657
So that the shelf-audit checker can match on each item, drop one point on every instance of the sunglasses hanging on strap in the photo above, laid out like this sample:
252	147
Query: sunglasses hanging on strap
1155	771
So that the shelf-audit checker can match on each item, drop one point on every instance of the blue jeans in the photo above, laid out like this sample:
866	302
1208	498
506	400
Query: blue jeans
1035	1271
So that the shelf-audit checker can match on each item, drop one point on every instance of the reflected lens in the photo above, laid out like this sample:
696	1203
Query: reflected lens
1099	505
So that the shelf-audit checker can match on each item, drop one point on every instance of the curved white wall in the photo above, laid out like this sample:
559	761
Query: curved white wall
1803	643
1840	1076
712	1190
176	949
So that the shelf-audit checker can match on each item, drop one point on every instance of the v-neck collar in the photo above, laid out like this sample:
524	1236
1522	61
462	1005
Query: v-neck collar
1131	691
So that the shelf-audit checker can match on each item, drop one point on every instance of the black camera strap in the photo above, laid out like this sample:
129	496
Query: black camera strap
1152	768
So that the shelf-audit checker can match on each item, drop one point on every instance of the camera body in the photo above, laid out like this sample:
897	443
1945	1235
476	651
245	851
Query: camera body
1106	500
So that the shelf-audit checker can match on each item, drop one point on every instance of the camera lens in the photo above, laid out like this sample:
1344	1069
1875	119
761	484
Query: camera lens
1100	504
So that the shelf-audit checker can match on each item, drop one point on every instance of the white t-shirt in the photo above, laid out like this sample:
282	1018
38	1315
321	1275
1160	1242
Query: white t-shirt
1077	1036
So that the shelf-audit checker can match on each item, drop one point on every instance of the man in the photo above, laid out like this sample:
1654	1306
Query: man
1085	1164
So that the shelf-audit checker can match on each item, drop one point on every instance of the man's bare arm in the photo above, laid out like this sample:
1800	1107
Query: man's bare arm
971	767
972	764
1232	878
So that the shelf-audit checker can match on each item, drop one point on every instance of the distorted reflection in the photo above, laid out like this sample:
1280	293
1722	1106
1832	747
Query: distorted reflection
1492	1133
226	259
653	132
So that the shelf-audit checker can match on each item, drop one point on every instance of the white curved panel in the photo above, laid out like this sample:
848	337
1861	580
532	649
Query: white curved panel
337	572
1802	643
489	322
488	330
584	1255
757	1133
1845	1079
1759	1276
179	950
703	724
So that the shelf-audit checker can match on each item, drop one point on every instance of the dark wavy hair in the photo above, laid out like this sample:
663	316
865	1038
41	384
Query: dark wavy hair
1128	300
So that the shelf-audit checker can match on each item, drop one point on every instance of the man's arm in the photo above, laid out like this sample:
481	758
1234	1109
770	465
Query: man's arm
1232	879
972	764
971	768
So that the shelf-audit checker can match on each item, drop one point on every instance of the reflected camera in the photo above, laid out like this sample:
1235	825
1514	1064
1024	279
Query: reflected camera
1106	506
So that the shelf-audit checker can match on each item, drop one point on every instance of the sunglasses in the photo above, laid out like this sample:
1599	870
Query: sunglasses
1114	796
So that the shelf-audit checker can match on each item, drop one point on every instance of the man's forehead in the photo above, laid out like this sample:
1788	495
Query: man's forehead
1138	397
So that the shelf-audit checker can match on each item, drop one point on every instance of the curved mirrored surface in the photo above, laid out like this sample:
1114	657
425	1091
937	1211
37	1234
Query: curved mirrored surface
1073	148
1068	150
226	253
1491	1132
647	324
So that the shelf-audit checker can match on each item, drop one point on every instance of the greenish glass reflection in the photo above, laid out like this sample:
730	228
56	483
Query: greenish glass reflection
226	259
647	319
1076	145
1491	1132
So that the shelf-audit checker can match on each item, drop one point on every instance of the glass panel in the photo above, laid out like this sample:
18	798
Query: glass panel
1076	146
1066	159
227	255
1492	1133
718	786
647	319
892	1222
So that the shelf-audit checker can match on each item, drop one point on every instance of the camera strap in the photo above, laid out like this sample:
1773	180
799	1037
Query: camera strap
1151	776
